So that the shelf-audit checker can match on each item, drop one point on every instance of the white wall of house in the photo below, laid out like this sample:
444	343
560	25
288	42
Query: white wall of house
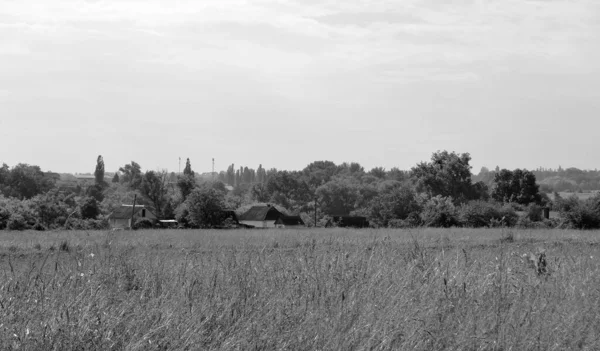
289	226
120	223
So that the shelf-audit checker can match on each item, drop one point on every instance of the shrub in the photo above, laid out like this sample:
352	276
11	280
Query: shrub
581	216
534	212
17	222
476	214
143	223
439	211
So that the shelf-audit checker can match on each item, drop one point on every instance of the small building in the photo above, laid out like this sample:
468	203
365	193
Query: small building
260	217
289	222
121	217
168	223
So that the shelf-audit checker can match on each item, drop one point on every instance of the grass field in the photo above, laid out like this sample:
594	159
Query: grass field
333	289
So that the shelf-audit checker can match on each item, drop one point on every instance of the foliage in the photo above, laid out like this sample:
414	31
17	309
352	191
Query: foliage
99	172
476	214
154	187
447	175
187	171
204	206
580	214
116	178
339	196
186	185
439	211
288	189
90	208
319	173
131	175
24	181
393	204
96	191
517	186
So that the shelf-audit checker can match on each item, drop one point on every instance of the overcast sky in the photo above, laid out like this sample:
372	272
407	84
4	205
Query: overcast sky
282	83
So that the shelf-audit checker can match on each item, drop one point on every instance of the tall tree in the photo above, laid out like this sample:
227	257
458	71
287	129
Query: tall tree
154	187
339	196
99	173
204	206
188	168
132	174
448	174
116	178
516	186
186	185
25	181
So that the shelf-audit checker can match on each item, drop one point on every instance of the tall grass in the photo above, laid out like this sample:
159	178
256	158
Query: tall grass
300	290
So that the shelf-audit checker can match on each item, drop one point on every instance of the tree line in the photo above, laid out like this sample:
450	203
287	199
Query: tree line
441	192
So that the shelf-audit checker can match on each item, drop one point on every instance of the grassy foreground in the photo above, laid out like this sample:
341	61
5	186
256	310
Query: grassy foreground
333	289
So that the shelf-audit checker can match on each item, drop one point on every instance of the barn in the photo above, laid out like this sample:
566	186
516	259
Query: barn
121	217
263	216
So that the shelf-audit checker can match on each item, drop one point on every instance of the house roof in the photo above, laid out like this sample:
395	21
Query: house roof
261	213
124	212
290	220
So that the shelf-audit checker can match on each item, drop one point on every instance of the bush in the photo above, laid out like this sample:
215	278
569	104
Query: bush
17	222
143	223
476	214
439	211
581	217
534	212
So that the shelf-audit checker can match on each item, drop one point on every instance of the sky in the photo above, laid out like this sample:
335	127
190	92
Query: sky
283	83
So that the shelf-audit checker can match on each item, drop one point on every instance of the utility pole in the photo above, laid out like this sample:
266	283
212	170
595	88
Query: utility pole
132	211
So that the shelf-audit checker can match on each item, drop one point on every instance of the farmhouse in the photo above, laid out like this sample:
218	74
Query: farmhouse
121	217
289	222
263	216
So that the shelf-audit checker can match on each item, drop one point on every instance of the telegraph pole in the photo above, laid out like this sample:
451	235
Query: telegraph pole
132	211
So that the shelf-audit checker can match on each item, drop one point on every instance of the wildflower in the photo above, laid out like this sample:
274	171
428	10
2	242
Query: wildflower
81	274
27	331
92	255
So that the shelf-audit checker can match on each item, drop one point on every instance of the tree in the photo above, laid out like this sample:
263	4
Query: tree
259	193
154	187
25	181
204	206
186	185
90	208
339	196
516	186
378	172
288	189
116	178
132	175
319	173
99	172
447	175
395	202
187	171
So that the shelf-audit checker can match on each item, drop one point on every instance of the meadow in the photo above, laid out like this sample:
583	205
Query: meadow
312	289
